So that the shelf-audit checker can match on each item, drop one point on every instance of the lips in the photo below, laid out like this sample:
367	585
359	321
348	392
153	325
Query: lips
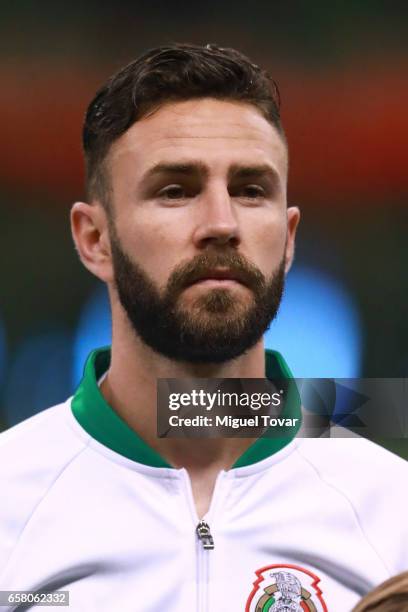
219	274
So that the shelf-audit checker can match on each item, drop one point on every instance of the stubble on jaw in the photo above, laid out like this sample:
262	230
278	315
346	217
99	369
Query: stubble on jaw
215	326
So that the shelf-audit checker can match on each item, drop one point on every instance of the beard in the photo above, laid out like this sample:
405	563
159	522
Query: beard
218	325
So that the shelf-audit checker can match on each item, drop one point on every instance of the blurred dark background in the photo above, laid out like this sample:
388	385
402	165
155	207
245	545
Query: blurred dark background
342	70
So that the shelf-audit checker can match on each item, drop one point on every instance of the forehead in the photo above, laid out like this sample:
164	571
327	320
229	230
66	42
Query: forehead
216	133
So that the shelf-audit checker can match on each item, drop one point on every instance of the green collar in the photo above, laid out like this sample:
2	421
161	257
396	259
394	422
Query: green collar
104	425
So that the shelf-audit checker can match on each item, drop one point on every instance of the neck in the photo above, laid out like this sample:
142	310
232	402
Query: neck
130	388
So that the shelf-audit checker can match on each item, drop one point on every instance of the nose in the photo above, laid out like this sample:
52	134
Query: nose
218	224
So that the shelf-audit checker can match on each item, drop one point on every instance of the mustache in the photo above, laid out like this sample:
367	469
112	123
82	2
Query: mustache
203	264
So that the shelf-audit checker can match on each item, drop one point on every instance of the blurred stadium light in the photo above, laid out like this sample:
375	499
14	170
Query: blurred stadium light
39	375
93	330
317	329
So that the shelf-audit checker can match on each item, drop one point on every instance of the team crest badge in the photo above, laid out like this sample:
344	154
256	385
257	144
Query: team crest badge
285	588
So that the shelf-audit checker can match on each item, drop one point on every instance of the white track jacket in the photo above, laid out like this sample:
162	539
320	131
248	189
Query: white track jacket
86	506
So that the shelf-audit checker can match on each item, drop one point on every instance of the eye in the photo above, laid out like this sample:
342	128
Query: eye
173	192
253	191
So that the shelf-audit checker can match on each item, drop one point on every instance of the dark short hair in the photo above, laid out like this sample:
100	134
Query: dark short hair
389	596
174	72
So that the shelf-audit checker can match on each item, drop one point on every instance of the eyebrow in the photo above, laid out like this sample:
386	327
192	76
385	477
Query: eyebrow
256	171
199	168
187	169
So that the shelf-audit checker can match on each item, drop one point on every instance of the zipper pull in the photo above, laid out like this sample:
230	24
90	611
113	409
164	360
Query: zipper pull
204	534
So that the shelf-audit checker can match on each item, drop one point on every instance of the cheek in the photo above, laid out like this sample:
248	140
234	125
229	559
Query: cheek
156	244
266	244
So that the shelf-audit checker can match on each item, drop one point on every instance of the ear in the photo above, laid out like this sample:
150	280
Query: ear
89	226
293	217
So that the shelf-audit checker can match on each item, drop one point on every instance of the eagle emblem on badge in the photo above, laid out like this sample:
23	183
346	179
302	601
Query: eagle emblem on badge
286	588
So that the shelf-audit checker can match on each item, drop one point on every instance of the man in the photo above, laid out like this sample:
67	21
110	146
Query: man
188	225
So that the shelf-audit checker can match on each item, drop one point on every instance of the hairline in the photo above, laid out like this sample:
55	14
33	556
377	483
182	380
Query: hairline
100	189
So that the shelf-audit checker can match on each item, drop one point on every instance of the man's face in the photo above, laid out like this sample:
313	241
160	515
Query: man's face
199	228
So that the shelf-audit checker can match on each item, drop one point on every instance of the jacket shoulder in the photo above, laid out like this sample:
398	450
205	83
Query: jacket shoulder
32	455
372	481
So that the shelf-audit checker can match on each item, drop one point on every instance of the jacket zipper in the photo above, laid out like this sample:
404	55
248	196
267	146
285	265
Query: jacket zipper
204	541
204	535
205	544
